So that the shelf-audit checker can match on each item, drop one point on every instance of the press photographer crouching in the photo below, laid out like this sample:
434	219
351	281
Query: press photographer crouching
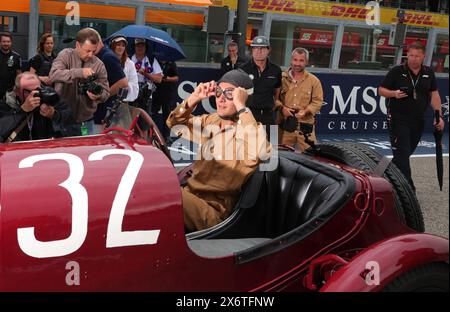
32	111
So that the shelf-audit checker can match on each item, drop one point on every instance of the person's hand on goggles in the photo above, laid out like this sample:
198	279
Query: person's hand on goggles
202	91
240	96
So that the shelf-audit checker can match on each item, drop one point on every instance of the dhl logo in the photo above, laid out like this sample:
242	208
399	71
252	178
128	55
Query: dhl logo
418	19
276	5
361	13
352	12
313	8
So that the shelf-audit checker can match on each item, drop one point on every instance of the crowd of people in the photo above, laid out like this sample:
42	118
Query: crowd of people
85	82
77	86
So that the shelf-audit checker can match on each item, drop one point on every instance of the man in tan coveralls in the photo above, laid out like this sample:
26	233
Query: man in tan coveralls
301	96
231	145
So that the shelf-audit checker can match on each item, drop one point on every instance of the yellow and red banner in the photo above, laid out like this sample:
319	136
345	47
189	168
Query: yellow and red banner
339	11
294	7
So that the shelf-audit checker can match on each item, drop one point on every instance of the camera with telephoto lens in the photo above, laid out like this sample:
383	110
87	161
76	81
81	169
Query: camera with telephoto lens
47	95
90	85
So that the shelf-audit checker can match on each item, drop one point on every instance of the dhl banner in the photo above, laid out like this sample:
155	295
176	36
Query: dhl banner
295	7
340	11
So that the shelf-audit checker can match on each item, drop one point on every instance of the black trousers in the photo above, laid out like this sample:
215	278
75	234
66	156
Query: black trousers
405	136
266	118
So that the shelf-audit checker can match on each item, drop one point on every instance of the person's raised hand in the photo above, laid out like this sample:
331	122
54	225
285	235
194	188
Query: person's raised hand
31	102
239	98
202	91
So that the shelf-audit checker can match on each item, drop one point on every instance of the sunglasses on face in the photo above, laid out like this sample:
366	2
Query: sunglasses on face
227	93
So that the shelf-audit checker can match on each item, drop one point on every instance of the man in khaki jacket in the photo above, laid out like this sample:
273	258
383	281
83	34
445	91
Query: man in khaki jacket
301	97
74	66
231	145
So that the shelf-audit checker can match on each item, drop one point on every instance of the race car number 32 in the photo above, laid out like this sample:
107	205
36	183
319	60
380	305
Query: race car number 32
115	237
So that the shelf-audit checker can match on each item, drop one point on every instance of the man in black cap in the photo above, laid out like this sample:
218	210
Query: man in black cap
231	145
266	78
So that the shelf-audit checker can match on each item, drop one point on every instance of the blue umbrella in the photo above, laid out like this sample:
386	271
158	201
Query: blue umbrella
159	43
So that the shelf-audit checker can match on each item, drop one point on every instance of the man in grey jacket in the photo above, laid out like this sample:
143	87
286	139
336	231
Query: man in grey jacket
71	70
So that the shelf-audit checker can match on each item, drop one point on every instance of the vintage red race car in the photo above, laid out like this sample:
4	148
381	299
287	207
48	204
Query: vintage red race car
104	213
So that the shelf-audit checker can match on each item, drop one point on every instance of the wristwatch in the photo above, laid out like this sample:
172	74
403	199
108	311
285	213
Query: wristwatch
243	110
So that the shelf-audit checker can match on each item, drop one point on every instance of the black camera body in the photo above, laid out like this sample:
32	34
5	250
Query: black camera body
306	128
47	95
90	85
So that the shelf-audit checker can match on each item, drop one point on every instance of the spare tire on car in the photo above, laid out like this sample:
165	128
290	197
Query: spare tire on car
364	158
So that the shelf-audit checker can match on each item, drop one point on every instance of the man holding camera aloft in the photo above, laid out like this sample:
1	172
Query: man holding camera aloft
81	79
410	88
32	112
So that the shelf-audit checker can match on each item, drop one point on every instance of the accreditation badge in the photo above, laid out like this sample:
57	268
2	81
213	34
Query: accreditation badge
10	61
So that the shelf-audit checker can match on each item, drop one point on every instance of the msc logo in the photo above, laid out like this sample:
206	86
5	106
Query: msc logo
372	273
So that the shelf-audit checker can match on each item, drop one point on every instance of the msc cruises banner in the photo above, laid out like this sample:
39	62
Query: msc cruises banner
351	102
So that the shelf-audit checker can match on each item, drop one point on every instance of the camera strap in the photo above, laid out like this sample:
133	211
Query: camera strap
16	131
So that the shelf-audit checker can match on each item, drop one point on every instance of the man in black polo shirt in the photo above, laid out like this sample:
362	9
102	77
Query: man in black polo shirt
410	87
266	78
9	64
232	60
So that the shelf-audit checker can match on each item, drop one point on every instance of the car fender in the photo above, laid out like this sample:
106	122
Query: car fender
379	264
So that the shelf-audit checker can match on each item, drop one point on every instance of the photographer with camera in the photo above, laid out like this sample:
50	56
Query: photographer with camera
410	88
32	112
302	97
149	73
73	74
116	80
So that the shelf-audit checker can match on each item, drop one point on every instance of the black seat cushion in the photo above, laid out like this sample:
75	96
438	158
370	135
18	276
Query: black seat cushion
275	202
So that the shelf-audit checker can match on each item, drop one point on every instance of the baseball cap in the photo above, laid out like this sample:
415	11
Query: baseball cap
260	41
139	40
238	78
118	39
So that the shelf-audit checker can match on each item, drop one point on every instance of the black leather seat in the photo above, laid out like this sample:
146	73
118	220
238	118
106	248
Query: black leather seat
275	202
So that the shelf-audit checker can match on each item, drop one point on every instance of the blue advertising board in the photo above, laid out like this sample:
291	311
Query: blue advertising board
351	101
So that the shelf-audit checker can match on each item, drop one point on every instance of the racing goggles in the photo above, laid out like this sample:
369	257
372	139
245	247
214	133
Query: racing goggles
227	93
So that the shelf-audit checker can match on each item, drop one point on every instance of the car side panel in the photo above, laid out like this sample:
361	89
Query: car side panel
379	264
57	232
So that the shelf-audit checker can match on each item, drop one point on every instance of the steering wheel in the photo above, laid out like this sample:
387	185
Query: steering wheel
152	135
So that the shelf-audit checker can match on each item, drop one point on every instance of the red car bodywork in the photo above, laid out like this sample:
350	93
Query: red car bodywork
62	205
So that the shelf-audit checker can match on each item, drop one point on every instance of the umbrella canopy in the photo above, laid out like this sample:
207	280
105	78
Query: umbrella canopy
159	43
439	161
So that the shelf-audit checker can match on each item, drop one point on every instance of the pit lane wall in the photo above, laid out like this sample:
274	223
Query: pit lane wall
351	101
